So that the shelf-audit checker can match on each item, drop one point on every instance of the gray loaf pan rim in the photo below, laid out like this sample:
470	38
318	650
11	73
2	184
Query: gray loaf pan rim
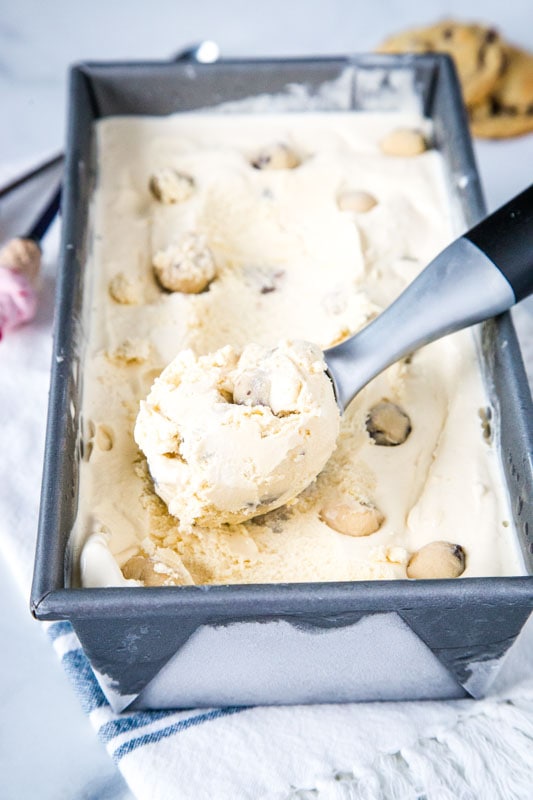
94	87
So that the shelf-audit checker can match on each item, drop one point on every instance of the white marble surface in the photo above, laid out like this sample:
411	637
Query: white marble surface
47	749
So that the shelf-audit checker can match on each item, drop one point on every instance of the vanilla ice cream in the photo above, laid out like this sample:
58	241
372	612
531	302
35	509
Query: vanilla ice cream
221	242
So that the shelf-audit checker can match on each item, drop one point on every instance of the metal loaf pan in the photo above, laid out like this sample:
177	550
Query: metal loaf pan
326	642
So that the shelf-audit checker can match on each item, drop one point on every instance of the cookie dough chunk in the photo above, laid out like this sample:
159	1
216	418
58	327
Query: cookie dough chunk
141	568
387	424
156	566
358	202
403	143
228	437
187	266
508	110
23	257
276	156
478	52
437	560
170	186
352	519
124	290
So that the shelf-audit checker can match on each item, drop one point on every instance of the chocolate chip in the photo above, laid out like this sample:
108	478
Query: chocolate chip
261	162
271	280
276	156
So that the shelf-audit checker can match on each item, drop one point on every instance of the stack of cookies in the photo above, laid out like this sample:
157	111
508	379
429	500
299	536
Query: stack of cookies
496	78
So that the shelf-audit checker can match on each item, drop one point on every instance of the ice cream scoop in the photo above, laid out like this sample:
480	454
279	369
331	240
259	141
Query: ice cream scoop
20	261
229	436
479	275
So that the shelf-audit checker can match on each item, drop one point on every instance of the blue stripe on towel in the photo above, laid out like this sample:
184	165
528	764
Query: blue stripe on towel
87	688
58	629
156	736
130	722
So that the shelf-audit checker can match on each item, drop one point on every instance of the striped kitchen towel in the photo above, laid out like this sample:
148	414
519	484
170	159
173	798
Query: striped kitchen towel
436	750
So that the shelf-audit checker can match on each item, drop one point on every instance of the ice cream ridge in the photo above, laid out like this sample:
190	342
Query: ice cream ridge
227	252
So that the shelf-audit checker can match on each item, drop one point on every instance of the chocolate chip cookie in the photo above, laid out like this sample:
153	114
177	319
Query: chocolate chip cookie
508	109
478	52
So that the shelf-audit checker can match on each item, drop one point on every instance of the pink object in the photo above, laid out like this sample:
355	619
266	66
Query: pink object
18	299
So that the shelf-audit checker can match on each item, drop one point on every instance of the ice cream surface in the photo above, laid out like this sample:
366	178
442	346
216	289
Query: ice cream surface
228	437
276	228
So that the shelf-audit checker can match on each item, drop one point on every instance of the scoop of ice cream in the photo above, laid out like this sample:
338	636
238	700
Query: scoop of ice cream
229	436
20	260
22	256
18	299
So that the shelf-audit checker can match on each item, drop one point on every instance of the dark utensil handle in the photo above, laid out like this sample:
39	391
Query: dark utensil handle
506	237
45	218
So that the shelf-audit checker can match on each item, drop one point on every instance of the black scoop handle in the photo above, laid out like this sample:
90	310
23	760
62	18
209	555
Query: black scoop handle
506	237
